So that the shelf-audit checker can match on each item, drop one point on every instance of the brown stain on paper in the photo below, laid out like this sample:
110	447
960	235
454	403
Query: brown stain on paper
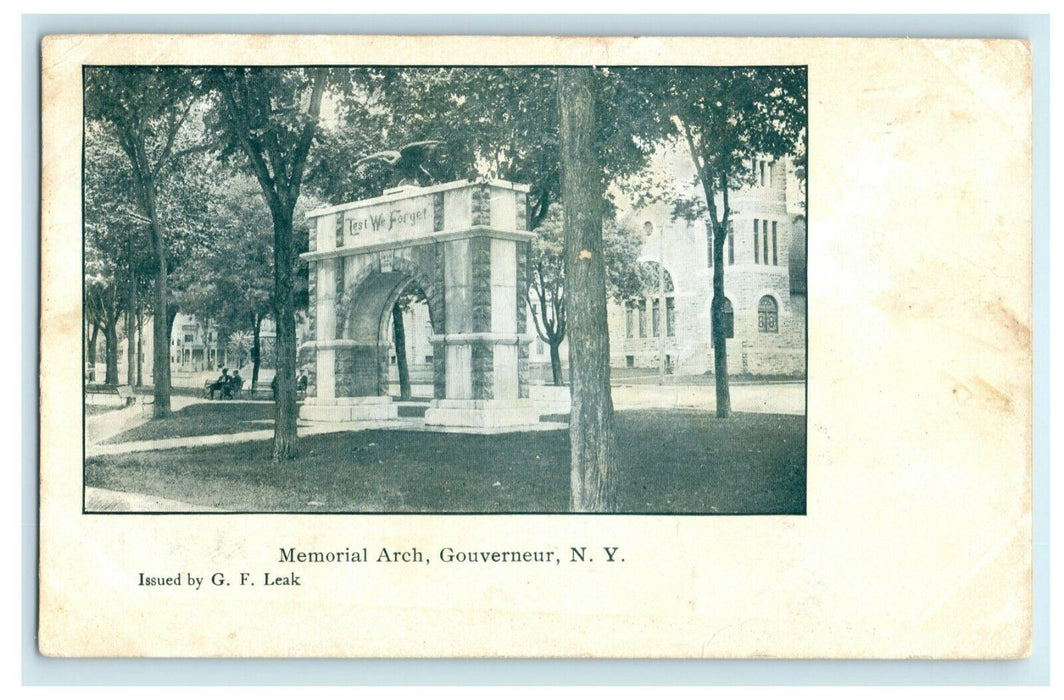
978	389
1015	329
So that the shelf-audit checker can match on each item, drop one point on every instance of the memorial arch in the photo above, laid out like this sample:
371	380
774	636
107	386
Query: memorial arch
466	245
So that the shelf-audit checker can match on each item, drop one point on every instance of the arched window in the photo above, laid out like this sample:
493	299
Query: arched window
649	272
767	315
638	309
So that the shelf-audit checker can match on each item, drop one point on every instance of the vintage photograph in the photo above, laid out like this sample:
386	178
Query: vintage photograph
445	289
536	346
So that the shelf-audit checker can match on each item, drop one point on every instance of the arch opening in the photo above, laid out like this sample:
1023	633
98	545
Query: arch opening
367	328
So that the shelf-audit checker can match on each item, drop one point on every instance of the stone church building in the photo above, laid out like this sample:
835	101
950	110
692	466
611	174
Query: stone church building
763	286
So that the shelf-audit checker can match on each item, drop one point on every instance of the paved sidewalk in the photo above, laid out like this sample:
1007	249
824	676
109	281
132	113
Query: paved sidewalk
305	429
110	423
105	500
784	398
777	397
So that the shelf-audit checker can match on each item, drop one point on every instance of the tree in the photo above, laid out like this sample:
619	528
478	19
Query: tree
725	118
591	437
270	116
231	282
147	108
546	300
412	295
118	258
102	307
495	122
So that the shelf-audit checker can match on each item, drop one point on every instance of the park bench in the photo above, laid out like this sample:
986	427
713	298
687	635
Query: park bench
230	391
122	391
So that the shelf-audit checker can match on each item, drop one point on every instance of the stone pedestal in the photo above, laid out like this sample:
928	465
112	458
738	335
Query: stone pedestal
349	409
474	413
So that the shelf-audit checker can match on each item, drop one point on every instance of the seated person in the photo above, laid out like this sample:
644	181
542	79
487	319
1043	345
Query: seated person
301	383
221	383
232	389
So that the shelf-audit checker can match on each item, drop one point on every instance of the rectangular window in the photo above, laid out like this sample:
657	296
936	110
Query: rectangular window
643	318
757	248
764	240
774	258
629	321
709	247
629	361
731	248
656	317
670	316
761	163
188	337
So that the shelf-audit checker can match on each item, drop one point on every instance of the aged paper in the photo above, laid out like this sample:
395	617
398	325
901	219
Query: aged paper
916	542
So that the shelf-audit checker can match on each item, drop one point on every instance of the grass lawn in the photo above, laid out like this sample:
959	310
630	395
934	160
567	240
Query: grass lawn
216	418
668	462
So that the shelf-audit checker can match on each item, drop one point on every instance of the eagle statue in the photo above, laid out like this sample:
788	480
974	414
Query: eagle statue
409	161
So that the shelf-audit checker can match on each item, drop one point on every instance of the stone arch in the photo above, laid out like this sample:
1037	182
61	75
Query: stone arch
373	287
429	285
471	259
363	318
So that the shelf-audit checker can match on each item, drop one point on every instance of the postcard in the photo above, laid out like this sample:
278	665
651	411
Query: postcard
395	346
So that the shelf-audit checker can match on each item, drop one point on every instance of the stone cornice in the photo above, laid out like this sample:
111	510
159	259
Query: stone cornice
419	192
437	237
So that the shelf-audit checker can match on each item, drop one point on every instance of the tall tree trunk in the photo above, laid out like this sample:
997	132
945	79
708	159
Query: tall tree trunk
110	335
91	351
140	346
256	349
399	336
720	348
591	437
556	362
162	324
284	431
280	182
131	330
716	229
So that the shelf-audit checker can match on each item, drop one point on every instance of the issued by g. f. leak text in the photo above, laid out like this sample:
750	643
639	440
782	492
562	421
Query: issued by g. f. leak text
290	565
